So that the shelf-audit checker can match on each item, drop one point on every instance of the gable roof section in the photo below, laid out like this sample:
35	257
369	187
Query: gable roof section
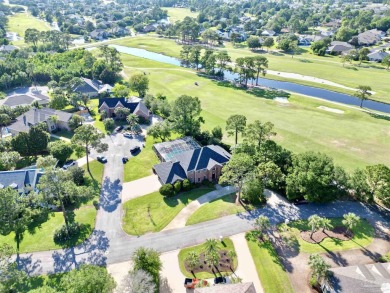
88	86
169	172
203	158
19	178
112	103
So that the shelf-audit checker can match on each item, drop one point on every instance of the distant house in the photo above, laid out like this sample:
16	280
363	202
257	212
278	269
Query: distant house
92	88
34	116
26	97
110	104
337	47
185	159
228	288
370	37
377	56
150	28
98	34
23	181
8	48
373	278
118	31
304	41
268	33
285	30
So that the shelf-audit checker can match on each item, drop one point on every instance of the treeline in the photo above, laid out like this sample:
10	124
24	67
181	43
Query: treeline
22	68
43	41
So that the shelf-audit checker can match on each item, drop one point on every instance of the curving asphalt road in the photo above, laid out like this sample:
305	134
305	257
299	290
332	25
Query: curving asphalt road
109	244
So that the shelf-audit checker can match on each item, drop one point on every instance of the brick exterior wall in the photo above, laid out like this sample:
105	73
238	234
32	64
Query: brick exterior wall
210	175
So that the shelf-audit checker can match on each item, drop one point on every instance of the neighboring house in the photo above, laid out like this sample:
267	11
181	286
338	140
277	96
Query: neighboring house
228	288
98	34
23	181
185	159
377	56
92	88
27	96
110	104
337	47
34	116
118	32
8	48
370	37
150	28
359	279
268	33
304	41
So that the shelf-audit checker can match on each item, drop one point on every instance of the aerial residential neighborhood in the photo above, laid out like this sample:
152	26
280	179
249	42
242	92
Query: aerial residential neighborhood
194	146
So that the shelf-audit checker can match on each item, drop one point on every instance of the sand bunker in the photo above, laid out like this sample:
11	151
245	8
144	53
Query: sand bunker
282	100
337	111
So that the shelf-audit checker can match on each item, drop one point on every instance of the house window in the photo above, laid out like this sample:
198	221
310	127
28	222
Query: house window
204	177
198	179
53	127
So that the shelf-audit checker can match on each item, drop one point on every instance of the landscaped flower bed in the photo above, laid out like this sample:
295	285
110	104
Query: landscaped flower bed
337	232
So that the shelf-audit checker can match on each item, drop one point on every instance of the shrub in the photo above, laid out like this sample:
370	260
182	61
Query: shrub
77	174
186	184
62	235
177	186
167	190
313	282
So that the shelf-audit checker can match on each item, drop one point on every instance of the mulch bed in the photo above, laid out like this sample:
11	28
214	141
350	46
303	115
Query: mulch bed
224	264
338	232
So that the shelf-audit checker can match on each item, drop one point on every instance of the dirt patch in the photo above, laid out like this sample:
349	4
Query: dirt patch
338	232
225	264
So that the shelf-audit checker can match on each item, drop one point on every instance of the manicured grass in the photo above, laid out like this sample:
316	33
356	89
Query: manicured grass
64	133
19	22
363	234
141	165
176	14
269	268
306	64
153	212
358	140
226	245
41	238
217	208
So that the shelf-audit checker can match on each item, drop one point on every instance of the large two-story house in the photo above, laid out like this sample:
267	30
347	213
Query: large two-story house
185	159
109	105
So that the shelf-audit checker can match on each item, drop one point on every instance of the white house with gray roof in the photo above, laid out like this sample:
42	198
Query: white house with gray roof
34	116
92	87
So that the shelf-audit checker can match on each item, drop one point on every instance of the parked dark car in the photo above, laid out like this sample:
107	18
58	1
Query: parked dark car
128	135
135	149
300	202
102	159
119	128
125	159
68	164
220	280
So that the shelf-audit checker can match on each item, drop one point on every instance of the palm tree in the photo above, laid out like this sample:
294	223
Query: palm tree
212	246
132	119
262	223
192	259
363	93
318	266
213	258
261	64
232	255
54	120
325	224
314	222
350	221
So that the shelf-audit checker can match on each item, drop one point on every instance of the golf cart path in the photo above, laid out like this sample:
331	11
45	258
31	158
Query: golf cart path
246	268
181	219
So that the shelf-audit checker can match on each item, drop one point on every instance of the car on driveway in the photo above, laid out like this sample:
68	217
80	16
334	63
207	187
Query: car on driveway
221	280
128	135
102	159
68	164
119	128
135	149
125	159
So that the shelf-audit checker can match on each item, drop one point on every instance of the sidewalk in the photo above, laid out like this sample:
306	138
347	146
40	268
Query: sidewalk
83	161
246	268
181	219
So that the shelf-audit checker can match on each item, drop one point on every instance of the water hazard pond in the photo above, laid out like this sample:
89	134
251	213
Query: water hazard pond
282	85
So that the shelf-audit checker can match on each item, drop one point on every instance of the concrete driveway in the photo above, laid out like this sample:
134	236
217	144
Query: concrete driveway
140	187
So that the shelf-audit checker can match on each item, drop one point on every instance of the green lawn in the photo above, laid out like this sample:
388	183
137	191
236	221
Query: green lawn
306	64
64	133
141	165
178	14
41	238
363	234
270	270
227	245
19	22
217	208
153	212
358	140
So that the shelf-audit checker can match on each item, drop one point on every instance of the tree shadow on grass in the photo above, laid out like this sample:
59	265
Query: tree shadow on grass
92	251
110	195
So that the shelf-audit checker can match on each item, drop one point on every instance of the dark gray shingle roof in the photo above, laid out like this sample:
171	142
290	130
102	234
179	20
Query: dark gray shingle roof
169	172
19	178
